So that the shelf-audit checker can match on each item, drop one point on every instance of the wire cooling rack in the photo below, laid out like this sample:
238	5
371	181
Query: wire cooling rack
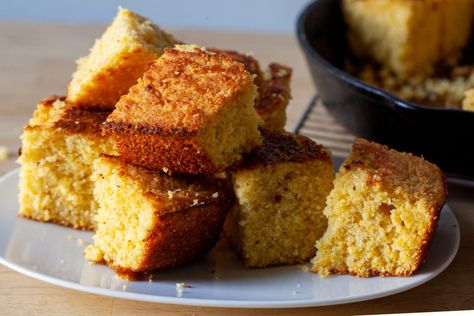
318	124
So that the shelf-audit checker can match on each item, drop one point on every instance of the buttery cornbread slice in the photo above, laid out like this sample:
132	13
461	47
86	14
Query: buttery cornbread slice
191	112
274	97
117	60
409	37
149	221
58	147
382	213
281	190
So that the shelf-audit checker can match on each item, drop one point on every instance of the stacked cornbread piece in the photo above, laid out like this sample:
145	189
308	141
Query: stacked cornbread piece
161	148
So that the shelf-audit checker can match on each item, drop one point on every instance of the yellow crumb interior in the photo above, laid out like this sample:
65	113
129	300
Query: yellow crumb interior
278	216
124	219
117	60
233	131
55	180
370	231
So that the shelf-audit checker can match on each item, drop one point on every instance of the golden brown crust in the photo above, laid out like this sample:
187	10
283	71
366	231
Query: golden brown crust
77	120
182	154
393	169
180	91
276	90
283	147
249	62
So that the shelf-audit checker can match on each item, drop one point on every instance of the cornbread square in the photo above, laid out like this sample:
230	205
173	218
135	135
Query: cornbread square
148	220
117	60
58	147
468	101
274	97
191	112
281	190
408	37
382	213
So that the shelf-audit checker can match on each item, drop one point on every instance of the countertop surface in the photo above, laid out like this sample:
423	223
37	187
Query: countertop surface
37	60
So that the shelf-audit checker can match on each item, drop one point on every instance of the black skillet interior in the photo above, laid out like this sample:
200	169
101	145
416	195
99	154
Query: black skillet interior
443	136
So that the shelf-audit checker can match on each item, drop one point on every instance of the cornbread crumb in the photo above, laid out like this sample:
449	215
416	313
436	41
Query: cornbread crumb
140	230
3	152
199	121
117	60
468	102
56	159
281	189
382	213
215	195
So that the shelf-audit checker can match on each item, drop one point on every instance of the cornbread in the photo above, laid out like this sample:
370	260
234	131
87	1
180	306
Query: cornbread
117	60
408	37
273	89
468	102
281	189
274	97
58	147
148	220
191	112
3	152
382	213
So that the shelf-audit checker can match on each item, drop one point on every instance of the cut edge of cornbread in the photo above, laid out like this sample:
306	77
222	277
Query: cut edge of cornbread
117	60
58	147
382	213
150	221
281	190
187	131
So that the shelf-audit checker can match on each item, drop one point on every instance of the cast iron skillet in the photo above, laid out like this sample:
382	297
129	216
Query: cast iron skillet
442	136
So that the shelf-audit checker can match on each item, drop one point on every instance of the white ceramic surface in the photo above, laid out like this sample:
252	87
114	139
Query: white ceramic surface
54	254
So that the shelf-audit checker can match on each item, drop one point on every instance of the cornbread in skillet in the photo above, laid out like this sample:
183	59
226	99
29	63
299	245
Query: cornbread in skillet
408	37
382	213
468	102
117	60
58	147
191	112
274	97
148	220
281	190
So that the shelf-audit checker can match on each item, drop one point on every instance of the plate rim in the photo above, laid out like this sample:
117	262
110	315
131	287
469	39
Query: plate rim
261	304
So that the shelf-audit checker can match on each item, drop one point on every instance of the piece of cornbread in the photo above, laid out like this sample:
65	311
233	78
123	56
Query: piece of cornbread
117	60
149	221
408	37
58	147
274	97
468	101
382	213
281	190
191	112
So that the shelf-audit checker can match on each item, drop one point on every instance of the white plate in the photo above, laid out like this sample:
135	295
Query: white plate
54	254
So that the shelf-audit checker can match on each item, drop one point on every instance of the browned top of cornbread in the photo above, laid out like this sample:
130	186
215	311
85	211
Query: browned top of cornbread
181	90
178	192
72	119
396	170
276	89
283	147
250	63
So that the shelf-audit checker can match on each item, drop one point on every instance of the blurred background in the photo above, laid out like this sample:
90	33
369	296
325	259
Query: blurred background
244	15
